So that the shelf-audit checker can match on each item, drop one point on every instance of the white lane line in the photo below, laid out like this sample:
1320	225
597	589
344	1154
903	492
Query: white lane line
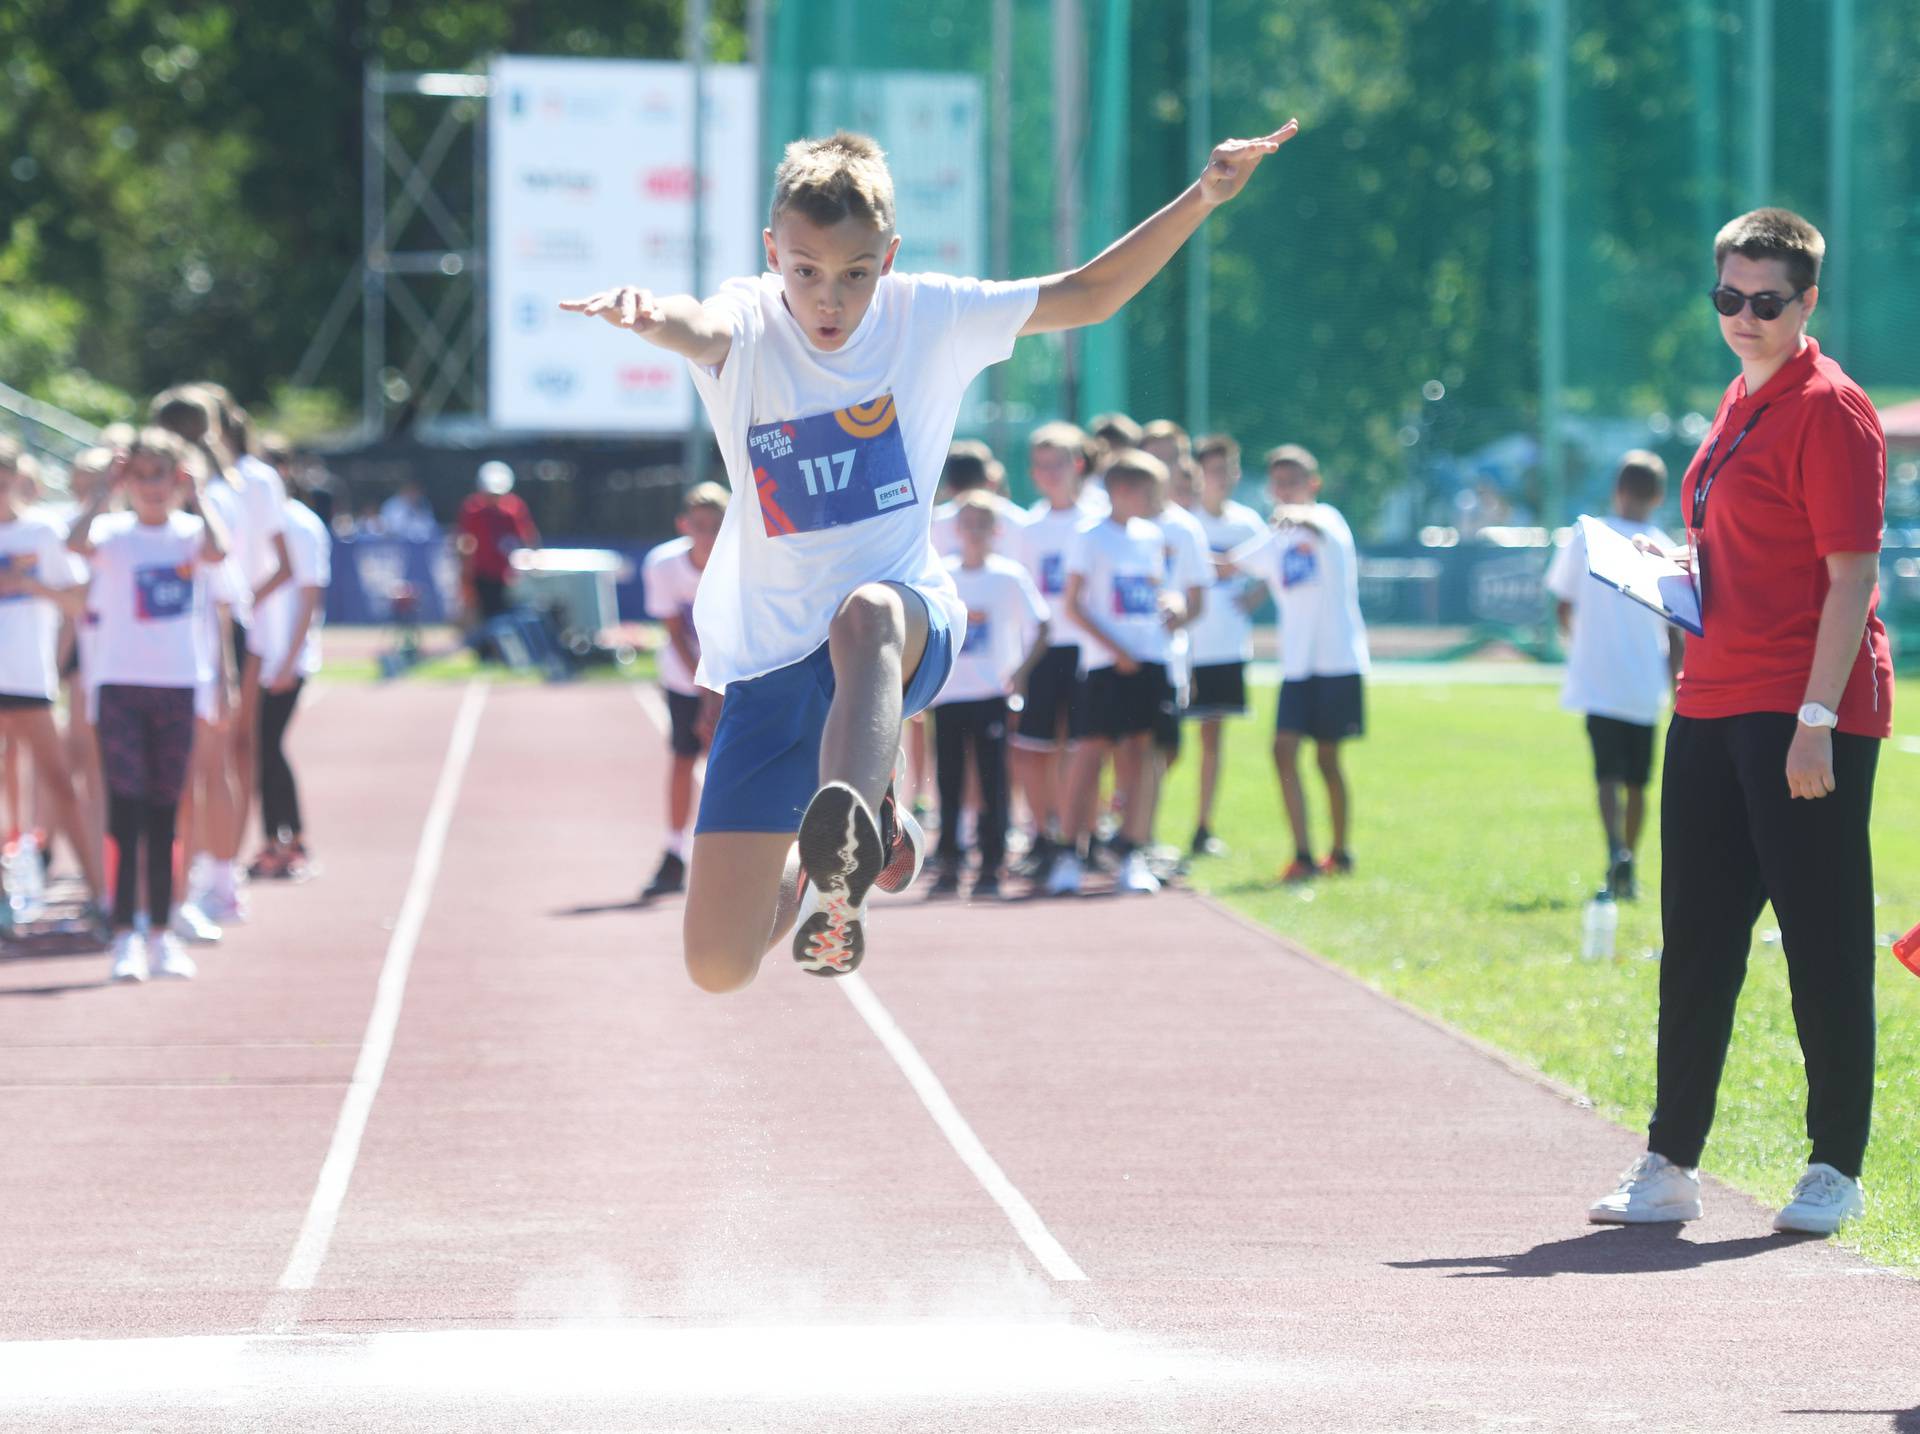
310	1249
1026	1220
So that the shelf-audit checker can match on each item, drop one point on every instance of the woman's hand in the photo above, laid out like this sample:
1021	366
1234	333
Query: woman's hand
1681	557
1810	762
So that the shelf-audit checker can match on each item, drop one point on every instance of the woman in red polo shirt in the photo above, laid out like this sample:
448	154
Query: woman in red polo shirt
1770	758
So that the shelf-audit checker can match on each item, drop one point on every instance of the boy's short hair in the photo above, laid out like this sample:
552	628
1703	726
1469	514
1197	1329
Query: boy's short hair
1296	455
970	464
1643	475
704	495
93	460
163	443
274	448
1774	234
1136	465
827	180
118	435
10	451
186	411
1063	437
1167	428
1215	445
975	500
1115	432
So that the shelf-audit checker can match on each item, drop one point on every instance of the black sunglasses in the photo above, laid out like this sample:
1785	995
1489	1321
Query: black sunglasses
1767	305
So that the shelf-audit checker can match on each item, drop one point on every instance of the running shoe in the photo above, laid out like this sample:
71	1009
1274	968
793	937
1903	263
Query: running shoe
1336	863
190	923
1064	878
1653	1191
1299	871
1038	860
174	963
222	908
1822	1202
1621	885
671	877
270	864
947	883
905	844
841	855
129	957
986	887
1205	843
1135	876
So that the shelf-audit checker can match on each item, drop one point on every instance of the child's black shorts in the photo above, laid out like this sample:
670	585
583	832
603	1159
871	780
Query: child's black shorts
1327	709
1054	688
1219	690
1622	751
1125	704
683	724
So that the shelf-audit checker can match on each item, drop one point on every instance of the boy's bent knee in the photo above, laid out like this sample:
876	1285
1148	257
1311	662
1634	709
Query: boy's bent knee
871	616
718	970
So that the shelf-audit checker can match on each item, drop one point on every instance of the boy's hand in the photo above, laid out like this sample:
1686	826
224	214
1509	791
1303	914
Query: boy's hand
1124	664
1234	161
624	307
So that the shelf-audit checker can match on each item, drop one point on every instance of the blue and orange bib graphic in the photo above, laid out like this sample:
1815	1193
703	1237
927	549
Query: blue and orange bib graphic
19	565
1135	595
1299	564
1053	574
979	634
163	591
831	469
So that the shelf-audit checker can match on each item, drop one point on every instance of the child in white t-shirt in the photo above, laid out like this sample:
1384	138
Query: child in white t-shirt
670	576
286	642
1309	560
39	579
1120	593
151	663
1622	662
1006	634
834	385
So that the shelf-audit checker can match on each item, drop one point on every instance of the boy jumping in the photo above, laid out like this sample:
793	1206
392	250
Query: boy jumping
825	618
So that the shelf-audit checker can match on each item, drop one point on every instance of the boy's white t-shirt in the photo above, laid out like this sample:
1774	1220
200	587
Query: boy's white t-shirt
1046	540
835	457
671	583
148	603
1315	578
1125	567
1008	542
1617	661
228	581
1189	566
310	550
1224	632
1004	612
34	545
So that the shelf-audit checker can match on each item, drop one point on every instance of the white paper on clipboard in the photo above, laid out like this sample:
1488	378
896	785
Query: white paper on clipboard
1650	580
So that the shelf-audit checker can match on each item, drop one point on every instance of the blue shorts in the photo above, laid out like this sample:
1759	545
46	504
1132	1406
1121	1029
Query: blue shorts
764	766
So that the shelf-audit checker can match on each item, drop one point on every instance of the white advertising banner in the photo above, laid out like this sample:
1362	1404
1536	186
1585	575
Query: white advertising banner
932	125
590	184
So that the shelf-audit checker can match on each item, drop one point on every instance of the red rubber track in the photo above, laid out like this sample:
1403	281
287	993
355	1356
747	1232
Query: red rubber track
1297	1206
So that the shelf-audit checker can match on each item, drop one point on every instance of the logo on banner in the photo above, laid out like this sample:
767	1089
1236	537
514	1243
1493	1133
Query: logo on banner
555	381
672	182
553	246
571	183
641	383
529	313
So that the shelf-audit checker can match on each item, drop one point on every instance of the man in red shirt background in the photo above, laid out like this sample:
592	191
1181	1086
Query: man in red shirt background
1781	711
492	522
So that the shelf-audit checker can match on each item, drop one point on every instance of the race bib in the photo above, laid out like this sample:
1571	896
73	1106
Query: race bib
1299	565
830	470
19	565
1135	595
979	634
162	592
1053	574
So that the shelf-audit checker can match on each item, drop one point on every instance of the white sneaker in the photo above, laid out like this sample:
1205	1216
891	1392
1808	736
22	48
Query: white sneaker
1135	875
1063	879
174	962
223	908
190	923
129	957
1822	1202
1653	1191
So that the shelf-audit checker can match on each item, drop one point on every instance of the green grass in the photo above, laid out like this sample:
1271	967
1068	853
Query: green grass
1477	844
459	664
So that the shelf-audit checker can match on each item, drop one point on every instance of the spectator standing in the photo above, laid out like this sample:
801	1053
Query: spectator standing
493	522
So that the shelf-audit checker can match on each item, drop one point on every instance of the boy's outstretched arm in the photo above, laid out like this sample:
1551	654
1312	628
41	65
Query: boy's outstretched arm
1098	289
678	323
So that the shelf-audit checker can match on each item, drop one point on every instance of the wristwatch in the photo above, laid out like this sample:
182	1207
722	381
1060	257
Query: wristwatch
1815	715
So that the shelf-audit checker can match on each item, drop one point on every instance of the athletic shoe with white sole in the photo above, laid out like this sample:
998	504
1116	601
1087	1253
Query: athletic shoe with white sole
1653	1191
223	908
1822	1202
129	957
841	854
1063	879
904	843
190	923
173	962
1136	876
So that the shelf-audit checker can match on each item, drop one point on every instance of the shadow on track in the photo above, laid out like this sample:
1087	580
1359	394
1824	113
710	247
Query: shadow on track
1905	1421
9	991
1622	1250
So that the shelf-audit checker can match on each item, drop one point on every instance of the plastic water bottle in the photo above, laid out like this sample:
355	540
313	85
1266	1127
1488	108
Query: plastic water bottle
1598	928
26	880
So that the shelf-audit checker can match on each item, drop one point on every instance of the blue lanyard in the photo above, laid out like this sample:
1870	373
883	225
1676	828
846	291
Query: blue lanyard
1704	485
